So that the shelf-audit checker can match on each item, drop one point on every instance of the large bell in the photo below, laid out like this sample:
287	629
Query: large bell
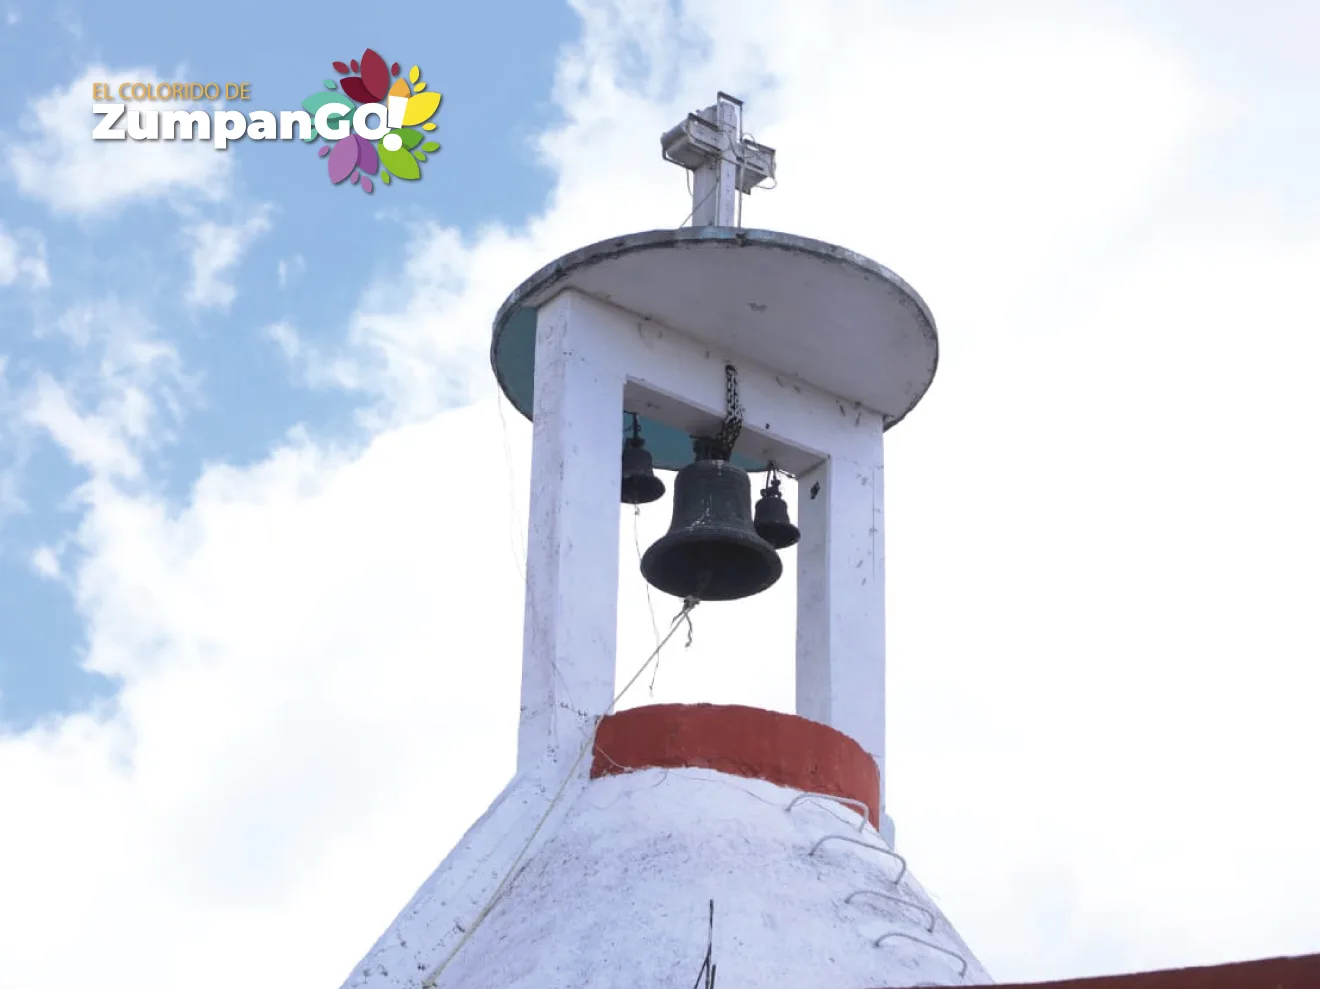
711	551
772	521
640	485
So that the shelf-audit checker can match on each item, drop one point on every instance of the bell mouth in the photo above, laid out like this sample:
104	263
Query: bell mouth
780	535
711	567
642	490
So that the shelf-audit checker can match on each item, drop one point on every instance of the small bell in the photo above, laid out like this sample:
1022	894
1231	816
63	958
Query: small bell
772	522
640	485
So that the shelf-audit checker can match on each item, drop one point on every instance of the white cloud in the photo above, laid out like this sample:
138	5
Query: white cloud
217	249
12	16
23	260
284	336
11	502
71	23
314	368
56	161
46	563
290	268
90	440
118	401
238	803
1100	533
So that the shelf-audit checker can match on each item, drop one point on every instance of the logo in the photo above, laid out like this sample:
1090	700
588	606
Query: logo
393	148
368	120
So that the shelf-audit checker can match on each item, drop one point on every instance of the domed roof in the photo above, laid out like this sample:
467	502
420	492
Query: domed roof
617	892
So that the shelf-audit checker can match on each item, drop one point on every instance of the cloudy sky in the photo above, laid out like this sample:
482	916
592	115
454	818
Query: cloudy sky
262	515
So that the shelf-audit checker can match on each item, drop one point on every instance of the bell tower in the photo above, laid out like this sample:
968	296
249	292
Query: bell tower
723	352
789	352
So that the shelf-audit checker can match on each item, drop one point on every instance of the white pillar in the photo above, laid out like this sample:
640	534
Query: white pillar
841	600
570	612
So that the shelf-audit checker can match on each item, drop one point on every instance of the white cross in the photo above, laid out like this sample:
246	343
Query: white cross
723	163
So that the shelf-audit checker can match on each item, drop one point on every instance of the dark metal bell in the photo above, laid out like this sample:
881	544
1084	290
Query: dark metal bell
640	485
711	551
772	522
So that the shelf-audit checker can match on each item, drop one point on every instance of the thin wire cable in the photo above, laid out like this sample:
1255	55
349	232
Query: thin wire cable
518	545
517	537
749	136
650	602
693	212
637	545
431	979
728	146
774	182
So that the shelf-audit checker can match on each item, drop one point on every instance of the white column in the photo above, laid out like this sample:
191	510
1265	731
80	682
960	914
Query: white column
841	600
570	619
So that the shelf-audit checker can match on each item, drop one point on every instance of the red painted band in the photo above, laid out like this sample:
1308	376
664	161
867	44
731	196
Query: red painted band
741	741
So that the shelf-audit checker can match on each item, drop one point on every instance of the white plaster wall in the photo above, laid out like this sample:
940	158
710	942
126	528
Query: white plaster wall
618	895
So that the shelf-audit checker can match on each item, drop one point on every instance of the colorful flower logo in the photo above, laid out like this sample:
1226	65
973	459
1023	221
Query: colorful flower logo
399	153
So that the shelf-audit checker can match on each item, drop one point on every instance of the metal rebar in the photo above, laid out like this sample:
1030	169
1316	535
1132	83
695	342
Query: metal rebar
860	805
934	947
866	844
930	927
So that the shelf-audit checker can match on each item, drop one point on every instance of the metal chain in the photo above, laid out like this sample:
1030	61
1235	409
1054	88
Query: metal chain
731	428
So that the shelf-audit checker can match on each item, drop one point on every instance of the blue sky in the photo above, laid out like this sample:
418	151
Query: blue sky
253	474
494	64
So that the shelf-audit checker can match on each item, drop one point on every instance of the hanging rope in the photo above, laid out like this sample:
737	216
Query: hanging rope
650	604
430	980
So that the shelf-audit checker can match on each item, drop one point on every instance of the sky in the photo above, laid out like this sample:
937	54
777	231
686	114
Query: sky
262	512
